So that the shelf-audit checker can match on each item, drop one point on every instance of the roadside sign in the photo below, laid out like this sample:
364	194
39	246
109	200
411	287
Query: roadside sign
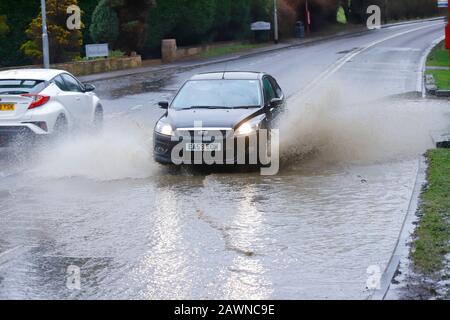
97	50
442	3
261	26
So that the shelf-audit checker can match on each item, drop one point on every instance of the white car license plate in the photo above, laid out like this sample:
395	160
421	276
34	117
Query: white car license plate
6	106
203	147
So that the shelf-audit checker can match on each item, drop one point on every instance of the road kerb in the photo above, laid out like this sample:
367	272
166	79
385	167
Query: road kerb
401	249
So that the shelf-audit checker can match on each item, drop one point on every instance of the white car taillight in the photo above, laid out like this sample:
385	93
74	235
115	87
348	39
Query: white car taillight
38	100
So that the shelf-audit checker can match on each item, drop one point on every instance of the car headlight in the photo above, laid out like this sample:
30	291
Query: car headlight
247	128
164	128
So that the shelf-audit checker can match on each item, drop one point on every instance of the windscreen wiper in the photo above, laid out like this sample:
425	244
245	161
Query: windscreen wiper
205	107
246	107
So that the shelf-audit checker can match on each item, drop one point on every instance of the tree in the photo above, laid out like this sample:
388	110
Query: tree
196	19
126	18
133	17
190	22
4	28
222	20
87	7
162	19
240	18
104	24
19	17
64	44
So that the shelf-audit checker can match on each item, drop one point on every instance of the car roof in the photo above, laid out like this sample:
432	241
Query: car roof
31	74
229	75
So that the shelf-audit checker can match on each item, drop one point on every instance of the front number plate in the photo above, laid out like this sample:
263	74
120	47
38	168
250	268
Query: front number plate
203	147
6	106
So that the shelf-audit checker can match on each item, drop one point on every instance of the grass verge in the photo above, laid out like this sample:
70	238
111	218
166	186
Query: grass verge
442	78
438	56
432	241
232	48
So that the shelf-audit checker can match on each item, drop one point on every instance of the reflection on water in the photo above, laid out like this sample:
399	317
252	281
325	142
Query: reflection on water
309	232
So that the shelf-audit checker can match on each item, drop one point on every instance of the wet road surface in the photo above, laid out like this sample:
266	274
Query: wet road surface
349	146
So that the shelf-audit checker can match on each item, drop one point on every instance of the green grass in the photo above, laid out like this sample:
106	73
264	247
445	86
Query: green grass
438	56
442	78
232	48
433	234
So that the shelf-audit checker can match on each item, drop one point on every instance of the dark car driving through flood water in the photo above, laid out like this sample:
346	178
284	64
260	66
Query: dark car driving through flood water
212	112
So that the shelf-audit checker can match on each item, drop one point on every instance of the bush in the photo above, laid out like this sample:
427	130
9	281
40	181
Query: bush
392	10
133	17
87	7
240	19
4	28
19	15
64	44
189	22
195	22
340	16
105	24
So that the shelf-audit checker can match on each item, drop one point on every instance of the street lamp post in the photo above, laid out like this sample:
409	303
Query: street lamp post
275	20
45	50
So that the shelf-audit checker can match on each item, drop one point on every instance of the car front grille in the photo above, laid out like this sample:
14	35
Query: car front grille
207	134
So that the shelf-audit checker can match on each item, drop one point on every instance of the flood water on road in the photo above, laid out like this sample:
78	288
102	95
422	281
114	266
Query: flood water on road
140	230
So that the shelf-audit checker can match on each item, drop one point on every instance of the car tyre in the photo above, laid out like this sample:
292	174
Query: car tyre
61	126
98	118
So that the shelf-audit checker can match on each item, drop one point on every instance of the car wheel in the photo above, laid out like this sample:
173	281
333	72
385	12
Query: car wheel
61	126
98	118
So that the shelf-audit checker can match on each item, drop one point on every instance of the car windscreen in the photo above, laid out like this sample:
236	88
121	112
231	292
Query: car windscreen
21	86
218	94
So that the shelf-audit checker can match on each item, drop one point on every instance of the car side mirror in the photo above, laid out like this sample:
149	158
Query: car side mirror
163	104
276	102
89	87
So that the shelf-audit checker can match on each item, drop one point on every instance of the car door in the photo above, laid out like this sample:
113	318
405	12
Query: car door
278	94
269	94
74	98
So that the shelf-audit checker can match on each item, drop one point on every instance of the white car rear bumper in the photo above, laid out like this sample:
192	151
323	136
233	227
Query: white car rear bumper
22	133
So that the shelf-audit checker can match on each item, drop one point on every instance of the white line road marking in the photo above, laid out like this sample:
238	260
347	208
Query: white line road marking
13	253
341	62
400	49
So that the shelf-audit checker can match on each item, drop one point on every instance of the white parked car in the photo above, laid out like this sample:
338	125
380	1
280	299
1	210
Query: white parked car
41	102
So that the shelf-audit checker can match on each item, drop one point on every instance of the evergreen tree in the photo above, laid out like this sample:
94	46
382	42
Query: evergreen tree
104	26
4	28
64	44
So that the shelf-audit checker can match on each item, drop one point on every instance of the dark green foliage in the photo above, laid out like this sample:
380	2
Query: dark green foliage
132	16
104	26
198	21
19	14
142	24
240	18
4	28
87	8
392	9
64	45
126	18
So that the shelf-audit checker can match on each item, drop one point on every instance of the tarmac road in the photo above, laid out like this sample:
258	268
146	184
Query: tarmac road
350	147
